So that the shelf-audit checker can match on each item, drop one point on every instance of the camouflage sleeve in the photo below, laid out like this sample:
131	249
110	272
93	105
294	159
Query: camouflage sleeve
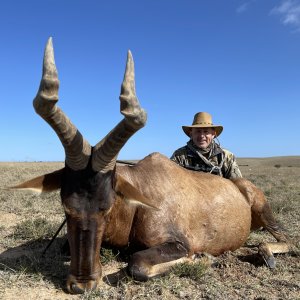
231	167
178	156
173	157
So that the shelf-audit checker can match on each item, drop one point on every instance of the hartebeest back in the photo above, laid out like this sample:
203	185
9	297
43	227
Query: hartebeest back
164	213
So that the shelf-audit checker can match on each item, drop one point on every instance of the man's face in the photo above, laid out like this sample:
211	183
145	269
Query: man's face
202	137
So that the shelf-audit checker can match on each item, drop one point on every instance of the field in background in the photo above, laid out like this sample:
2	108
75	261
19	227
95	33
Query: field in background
28	221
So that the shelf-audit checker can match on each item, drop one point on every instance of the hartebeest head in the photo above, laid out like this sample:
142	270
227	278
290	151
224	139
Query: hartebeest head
88	187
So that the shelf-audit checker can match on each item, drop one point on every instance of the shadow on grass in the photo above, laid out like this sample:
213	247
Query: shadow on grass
28	259
253	259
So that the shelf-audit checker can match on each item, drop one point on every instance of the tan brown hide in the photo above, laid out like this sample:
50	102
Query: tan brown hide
208	211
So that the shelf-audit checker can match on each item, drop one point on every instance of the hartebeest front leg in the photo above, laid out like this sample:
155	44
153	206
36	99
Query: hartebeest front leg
106	151
77	149
157	260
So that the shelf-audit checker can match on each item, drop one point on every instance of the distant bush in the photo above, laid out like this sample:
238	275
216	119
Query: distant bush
277	166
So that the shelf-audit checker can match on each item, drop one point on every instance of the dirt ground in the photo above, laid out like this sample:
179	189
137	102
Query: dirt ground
29	220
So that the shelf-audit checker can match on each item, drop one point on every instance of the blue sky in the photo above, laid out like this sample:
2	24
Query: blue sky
238	60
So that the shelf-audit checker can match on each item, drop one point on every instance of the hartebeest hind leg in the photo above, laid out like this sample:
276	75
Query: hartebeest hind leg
262	216
157	260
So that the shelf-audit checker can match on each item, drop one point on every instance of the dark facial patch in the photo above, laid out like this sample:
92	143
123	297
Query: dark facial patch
86	190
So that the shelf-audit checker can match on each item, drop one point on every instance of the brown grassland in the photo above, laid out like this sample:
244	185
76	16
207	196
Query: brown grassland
28	221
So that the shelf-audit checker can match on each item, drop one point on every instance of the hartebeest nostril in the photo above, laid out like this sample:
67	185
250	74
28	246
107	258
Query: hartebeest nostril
80	288
76	290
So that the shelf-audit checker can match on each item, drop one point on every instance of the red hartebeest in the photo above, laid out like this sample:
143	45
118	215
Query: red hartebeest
170	213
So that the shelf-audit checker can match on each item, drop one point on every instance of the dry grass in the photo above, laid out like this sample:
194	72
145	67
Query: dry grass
27	222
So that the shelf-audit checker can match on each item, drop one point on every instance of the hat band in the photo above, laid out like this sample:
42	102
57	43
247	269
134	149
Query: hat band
203	123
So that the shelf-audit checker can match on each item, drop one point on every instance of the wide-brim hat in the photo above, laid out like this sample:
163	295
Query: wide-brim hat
202	120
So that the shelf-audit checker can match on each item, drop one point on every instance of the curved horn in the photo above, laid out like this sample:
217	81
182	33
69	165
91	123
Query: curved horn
106	151
77	149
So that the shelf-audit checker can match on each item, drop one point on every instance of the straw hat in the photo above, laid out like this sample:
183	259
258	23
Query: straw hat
204	120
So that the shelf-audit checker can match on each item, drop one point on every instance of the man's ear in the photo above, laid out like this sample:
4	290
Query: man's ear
214	134
131	194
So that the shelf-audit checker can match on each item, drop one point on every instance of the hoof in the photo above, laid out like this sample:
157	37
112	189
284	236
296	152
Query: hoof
267	255
137	273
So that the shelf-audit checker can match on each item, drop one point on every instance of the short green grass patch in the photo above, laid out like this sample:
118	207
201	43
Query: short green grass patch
194	270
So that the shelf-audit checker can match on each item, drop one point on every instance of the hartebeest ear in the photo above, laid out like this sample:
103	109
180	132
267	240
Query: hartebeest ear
45	183
131	194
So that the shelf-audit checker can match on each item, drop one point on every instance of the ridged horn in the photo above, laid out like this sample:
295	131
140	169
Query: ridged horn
77	149
106	151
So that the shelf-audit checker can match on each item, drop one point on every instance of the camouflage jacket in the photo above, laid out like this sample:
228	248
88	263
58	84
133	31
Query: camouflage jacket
219	162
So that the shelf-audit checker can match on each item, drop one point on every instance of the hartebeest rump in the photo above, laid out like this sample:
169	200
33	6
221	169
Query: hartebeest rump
164	213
